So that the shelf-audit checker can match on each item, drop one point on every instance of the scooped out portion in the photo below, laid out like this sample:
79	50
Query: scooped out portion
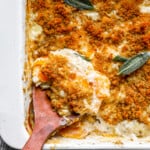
72	84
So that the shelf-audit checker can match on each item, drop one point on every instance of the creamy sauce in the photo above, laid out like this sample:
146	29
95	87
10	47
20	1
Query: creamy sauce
84	69
93	15
35	31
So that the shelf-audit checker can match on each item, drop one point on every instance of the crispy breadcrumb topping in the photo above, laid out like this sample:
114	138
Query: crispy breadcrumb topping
120	29
67	90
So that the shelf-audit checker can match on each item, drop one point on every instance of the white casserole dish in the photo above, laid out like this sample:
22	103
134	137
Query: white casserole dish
12	104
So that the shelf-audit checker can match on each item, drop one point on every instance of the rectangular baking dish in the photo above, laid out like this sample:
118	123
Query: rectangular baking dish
12	100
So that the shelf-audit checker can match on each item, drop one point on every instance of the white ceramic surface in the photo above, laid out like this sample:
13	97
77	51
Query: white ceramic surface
12	109
11	61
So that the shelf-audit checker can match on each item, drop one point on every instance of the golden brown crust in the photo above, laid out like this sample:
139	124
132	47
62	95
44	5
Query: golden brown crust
75	88
119	22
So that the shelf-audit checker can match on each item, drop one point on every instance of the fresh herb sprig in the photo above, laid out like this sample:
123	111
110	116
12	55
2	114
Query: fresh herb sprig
83	57
80	4
120	58
132	64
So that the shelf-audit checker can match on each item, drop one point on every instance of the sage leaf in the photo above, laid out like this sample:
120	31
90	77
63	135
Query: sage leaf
83	57
134	63
120	58
80	4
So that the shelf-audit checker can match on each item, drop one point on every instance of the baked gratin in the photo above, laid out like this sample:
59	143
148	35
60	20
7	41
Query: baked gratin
92	58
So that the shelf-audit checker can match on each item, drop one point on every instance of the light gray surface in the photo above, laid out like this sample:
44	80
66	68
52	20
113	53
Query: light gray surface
3	146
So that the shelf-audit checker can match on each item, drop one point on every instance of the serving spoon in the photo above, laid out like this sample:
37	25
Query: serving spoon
47	121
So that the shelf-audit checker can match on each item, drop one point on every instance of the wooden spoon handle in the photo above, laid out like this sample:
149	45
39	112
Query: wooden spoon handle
38	138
